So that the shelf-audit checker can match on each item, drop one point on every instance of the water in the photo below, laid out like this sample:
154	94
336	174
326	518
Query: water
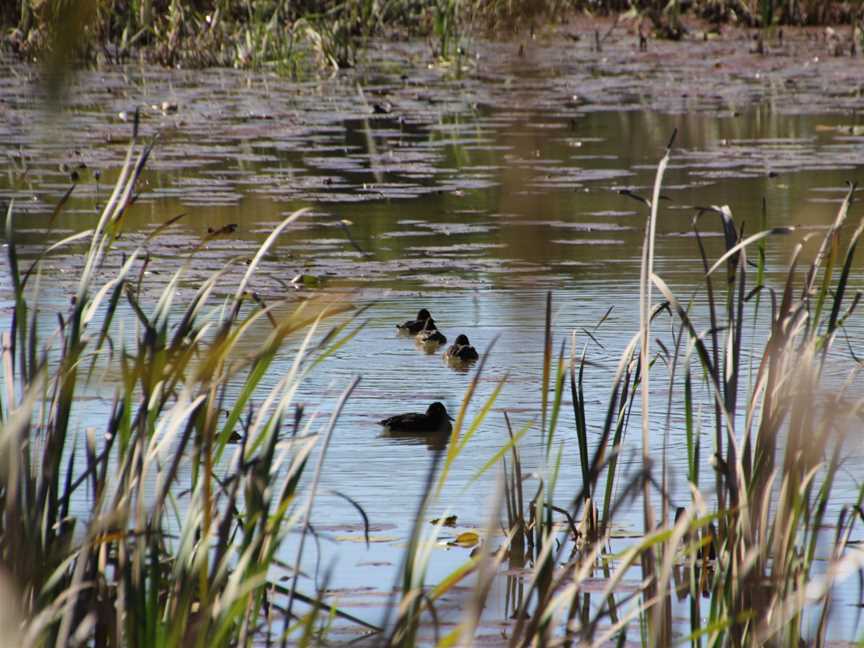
470	196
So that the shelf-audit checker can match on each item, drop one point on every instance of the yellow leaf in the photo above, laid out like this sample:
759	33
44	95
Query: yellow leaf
466	539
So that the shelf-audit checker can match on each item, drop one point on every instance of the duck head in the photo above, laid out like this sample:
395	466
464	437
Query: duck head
423	315
438	411
462	340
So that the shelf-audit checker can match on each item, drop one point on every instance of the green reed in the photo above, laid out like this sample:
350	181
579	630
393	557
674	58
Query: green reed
136	567
752	558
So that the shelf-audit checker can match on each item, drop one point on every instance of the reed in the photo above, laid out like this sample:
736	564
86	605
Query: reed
136	567
773	487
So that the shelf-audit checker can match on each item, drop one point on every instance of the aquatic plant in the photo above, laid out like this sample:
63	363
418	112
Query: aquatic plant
772	487
757	543
446	28
176	544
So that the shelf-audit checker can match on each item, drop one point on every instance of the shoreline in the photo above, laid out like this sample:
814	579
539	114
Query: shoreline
310	44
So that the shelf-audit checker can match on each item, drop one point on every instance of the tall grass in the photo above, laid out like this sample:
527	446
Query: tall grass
783	437
197	558
752	544
193	560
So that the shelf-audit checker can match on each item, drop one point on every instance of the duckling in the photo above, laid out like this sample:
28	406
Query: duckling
430	338
413	327
436	419
461	351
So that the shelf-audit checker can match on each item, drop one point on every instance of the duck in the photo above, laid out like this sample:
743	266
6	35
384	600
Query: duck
430	338
413	327
461	351
436	419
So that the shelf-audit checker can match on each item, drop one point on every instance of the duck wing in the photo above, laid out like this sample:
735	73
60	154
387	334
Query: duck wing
412	420
434	335
468	353
463	352
413	326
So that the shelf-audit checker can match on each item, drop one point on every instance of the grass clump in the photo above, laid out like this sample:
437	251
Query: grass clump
177	544
755	554
201	33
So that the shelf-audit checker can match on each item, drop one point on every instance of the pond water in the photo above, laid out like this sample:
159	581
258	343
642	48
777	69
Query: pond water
470	194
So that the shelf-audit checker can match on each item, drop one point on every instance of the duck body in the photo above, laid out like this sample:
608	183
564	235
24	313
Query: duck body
413	327
461	351
436	419
433	336
430	339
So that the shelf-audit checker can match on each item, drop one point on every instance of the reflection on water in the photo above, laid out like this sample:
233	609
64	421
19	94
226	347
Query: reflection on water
434	441
473	197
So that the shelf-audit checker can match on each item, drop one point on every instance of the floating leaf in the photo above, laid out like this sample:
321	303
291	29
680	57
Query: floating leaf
306	281
466	539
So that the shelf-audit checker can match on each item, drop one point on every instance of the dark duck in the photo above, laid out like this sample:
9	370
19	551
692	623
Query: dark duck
461	351
436	419
413	327
430	338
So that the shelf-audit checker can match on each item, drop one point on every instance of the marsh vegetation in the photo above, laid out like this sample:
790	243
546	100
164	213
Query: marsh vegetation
659	442
164	533
297	37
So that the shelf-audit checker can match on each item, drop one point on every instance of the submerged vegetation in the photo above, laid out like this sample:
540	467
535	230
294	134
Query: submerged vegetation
327	33
150	529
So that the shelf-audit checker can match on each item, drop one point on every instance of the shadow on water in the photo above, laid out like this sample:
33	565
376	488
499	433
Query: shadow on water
434	441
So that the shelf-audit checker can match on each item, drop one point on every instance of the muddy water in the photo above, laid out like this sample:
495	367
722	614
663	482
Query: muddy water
471	195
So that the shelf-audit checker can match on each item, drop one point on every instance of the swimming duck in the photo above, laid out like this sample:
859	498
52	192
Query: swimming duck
462	351
430	338
436	419
413	327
